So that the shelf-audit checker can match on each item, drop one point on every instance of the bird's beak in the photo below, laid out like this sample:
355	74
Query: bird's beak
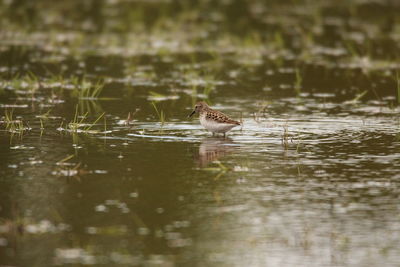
191	114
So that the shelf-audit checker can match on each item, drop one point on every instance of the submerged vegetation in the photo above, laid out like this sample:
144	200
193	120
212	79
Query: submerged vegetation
160	114
26	84
328	48
86	90
79	124
14	125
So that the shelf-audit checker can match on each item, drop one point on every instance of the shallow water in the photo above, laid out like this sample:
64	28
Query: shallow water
311	179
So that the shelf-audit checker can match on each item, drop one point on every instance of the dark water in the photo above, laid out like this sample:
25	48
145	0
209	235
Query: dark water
311	179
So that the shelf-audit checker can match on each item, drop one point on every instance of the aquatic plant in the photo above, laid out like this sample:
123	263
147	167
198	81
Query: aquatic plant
298	145
285	137
68	169
357	98
196	79
261	112
26	83
221	169
298	82
62	161
160	114
14	125
278	40
87	93
351	48
78	124
44	115
398	87
88	90
8	117
87	129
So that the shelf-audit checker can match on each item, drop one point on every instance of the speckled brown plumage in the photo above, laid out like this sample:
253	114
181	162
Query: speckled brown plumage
213	120
219	117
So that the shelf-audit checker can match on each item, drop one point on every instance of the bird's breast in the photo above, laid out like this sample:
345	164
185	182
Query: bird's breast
215	126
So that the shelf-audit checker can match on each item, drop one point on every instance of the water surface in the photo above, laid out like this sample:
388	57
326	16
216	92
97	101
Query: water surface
121	177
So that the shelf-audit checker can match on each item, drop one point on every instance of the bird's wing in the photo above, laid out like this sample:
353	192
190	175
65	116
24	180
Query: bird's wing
221	117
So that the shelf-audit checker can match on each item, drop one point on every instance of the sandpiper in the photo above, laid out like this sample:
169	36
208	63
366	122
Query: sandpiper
213	120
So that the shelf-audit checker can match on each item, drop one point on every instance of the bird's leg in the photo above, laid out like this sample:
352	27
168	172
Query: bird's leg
213	134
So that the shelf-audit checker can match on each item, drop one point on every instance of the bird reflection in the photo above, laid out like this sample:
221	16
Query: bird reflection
213	148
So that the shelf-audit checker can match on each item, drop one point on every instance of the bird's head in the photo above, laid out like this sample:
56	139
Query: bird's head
199	107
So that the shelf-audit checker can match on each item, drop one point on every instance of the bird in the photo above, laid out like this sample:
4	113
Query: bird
213	120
